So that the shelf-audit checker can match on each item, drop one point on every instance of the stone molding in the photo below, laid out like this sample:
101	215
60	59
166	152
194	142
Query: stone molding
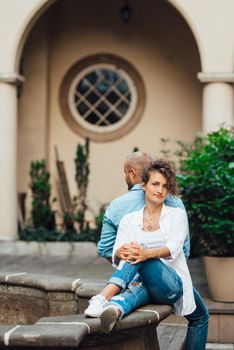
81	249
216	77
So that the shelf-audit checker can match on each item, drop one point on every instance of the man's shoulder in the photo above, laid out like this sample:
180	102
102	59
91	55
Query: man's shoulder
174	201
128	197
127	203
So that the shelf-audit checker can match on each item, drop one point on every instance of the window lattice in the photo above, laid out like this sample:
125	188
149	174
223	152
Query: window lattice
102	97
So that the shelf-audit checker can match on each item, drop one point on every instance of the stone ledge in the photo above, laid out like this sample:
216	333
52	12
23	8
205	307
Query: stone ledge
44	282
24	298
88	289
71	331
81	249
216	307
42	335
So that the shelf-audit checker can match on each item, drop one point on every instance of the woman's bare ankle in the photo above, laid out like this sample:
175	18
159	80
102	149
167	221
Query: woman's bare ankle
110	290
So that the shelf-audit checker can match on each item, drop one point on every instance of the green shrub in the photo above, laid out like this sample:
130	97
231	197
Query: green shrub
41	234
82	180
42	214
207	187
42	226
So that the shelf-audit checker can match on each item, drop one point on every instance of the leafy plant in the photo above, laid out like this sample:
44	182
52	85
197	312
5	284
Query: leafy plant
40	234
42	214
99	219
43	227
165	150
82	180
207	187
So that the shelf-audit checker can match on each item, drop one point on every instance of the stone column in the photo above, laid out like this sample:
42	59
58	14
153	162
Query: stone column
218	100
8	155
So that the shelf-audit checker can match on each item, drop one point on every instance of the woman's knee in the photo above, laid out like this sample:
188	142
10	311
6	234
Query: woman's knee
163	284
154	271
151	264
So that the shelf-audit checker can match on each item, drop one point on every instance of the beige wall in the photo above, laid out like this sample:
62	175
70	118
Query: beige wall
33	106
157	42
212	24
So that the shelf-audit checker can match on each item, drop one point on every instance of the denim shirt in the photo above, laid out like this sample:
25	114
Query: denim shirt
129	202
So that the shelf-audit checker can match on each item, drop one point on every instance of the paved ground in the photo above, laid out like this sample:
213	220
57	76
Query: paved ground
90	266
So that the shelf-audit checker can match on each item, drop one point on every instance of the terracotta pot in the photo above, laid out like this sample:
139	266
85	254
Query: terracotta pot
220	277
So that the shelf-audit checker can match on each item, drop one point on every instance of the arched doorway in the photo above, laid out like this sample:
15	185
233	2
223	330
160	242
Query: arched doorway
157	42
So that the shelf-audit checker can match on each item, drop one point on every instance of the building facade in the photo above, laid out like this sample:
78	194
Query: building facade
71	69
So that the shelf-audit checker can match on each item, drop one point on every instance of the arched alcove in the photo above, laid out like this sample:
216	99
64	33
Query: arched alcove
43	5
158	42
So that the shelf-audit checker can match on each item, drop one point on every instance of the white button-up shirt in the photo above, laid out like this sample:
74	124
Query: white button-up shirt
173	228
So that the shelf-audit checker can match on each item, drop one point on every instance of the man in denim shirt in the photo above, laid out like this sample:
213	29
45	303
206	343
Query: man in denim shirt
136	292
129	202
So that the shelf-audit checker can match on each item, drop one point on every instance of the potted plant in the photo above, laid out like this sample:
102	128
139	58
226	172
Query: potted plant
207	187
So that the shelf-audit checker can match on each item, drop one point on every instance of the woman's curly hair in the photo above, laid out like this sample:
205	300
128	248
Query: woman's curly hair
165	168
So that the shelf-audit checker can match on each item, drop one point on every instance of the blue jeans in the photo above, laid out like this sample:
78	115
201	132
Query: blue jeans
160	284
198	325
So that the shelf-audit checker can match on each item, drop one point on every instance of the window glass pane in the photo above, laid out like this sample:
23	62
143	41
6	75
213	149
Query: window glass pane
82	108
92	97
123	87
82	87
102	108
112	97
91	78
92	118
113	118
122	107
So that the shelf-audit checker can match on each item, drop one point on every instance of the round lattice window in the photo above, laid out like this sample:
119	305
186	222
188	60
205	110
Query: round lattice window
102	97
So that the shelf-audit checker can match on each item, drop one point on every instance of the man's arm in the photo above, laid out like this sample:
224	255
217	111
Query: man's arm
108	235
107	240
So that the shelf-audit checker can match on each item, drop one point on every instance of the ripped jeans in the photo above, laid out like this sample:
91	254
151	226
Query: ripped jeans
160	284
157	283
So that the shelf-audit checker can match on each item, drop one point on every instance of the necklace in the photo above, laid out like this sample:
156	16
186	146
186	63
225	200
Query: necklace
150	222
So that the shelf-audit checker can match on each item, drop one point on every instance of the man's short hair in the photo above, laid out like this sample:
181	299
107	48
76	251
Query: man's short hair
139	161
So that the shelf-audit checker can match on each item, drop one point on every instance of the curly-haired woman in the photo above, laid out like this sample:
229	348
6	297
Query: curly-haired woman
156	233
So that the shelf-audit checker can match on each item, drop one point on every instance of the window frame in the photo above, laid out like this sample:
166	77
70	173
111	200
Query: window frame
98	133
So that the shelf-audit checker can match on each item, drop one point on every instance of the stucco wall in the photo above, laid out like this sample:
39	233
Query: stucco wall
157	42
212	24
33	104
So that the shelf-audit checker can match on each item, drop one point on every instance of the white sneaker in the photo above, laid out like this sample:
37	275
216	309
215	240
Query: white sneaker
96	306
109	317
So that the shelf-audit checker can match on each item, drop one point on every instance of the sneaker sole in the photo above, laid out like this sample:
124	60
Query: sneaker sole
108	319
90	314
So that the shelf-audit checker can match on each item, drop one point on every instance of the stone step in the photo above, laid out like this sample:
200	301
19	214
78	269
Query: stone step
171	337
